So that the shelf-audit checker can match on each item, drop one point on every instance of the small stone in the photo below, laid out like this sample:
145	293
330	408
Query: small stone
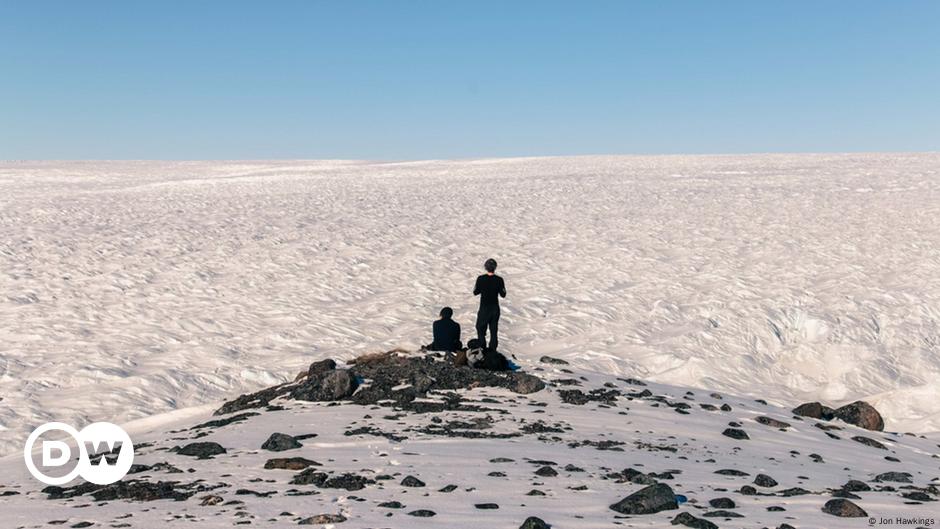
550	360
210	500
735	433
534	523
869	442
763	480
323	519
688	520
546	472
411	481
773	423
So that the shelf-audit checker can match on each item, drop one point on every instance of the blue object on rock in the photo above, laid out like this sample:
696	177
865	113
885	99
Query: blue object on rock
680	499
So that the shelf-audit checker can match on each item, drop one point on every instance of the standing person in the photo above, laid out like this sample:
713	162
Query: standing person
490	287
446	332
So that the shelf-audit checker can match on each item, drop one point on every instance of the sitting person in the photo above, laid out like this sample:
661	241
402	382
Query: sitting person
446	333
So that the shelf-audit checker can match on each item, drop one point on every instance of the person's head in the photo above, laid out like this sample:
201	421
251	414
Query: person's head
490	266
447	313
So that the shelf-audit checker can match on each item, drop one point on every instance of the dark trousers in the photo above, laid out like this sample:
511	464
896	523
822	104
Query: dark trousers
488	317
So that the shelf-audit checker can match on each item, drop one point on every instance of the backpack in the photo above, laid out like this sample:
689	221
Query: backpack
485	358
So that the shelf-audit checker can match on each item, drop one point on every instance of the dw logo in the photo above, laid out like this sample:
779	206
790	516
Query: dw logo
97	436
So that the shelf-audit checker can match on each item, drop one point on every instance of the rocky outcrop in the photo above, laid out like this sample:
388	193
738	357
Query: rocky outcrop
389	377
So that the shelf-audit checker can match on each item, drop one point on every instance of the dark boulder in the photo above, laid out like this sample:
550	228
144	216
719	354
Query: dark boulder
201	450
735	433
814	410
722	503
861	414
318	368
278	442
648	500
844	509
853	485
896	477
289	463
338	384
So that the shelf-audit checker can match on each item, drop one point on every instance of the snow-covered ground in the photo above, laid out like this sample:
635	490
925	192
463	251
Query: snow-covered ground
135	288
503	457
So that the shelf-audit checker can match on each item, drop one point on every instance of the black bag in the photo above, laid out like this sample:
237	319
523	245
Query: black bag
485	358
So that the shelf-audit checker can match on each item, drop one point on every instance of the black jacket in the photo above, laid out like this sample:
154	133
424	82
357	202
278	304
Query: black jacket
490	288
446	335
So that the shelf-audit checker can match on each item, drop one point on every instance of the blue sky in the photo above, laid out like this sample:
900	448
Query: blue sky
415	79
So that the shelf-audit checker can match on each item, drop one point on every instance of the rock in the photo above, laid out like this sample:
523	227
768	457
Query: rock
524	383
289	463
534	523
648	500
487	506
127	490
735	433
573	396
722	514
201	450
323	519
392	505
688	520
278	442
843	508
448	488
411	481
318	368
422	513
854	485
210	500
814	410
763	480
338	384
896	477
731	472
794	491
748	490
773	423
869	442
546	472
722	503
550	360
861	414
